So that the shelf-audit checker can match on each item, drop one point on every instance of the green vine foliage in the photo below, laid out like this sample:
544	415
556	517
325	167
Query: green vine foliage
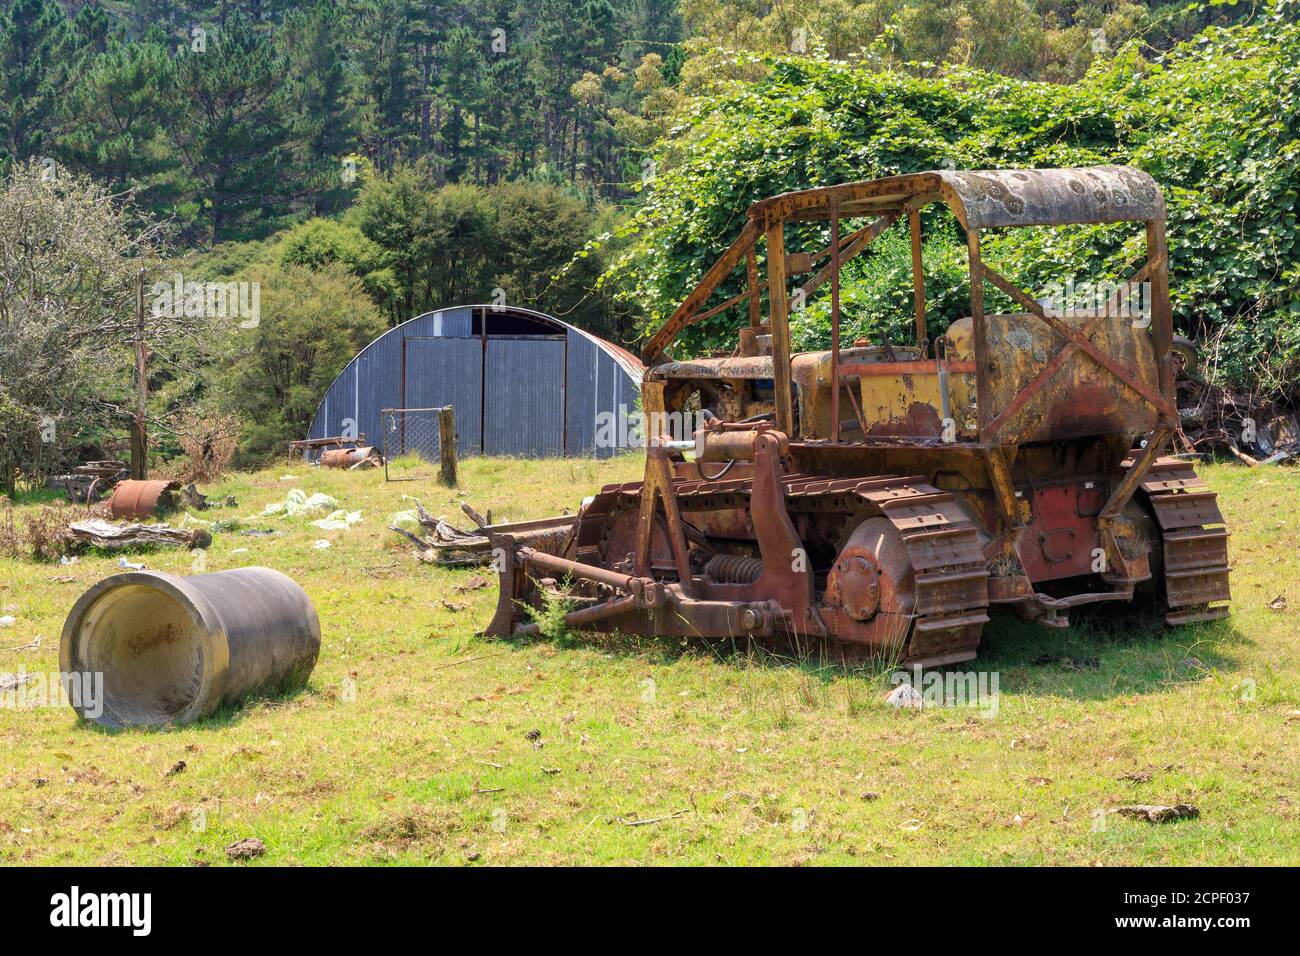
1214	121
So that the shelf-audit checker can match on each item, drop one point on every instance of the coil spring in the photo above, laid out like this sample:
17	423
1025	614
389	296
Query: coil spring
734	568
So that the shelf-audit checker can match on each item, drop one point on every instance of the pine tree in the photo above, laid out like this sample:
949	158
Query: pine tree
232	132
34	69
113	119
321	119
383	51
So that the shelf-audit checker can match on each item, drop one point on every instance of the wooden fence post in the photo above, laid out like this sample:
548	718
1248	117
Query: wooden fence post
447	444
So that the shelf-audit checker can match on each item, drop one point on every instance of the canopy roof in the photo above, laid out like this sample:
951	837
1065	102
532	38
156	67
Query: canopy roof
983	199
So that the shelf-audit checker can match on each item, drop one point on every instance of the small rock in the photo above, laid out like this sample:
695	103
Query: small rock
904	695
10	682
8	621
871	795
245	849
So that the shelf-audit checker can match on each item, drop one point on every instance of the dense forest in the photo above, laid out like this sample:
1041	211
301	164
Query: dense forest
367	160
235	119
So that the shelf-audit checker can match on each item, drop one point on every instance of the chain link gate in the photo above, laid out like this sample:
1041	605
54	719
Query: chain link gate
419	443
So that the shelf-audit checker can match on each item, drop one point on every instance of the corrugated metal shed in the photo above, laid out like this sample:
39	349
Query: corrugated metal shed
523	383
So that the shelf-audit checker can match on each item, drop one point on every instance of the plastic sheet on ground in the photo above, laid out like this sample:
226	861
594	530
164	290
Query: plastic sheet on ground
298	502
338	521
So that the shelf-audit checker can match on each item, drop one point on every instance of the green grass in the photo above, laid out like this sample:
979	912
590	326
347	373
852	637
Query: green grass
772	761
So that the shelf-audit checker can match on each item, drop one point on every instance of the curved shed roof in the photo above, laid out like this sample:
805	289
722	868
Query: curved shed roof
523	382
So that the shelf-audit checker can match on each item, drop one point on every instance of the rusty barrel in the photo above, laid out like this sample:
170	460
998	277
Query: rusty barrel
139	499
167	649
346	457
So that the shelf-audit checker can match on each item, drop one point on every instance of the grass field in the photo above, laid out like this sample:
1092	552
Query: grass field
458	750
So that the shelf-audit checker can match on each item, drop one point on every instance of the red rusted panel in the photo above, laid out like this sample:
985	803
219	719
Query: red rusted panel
1060	539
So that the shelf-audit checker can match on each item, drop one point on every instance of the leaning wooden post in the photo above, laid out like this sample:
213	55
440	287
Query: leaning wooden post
447	444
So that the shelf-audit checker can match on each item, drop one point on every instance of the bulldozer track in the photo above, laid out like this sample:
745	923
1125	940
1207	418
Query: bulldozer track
951	577
1195	542
950	574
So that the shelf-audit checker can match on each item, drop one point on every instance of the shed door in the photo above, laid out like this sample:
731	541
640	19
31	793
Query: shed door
524	399
447	371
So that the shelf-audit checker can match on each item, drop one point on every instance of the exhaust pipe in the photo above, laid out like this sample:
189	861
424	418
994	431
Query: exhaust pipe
173	649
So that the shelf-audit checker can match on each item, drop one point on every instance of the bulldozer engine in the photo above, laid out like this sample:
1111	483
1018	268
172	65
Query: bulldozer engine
880	498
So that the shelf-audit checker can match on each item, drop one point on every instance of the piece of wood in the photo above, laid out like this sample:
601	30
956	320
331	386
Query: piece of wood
447	444
1241	455
474	516
103	534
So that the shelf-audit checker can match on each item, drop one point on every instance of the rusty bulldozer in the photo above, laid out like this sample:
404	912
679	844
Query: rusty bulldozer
879	498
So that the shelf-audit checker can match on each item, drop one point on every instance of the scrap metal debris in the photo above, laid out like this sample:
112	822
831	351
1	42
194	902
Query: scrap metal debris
140	499
352	458
87	483
1219	419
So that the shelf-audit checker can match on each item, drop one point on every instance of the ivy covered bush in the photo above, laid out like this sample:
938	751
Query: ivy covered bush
1215	121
